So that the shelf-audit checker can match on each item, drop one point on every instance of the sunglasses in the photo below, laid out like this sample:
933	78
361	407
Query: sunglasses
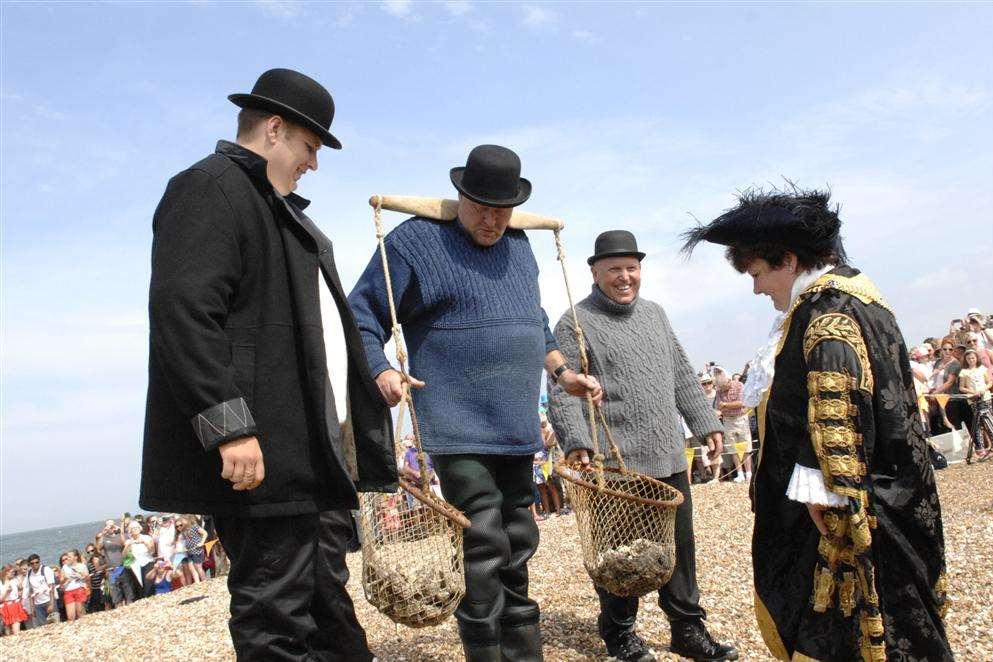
946	349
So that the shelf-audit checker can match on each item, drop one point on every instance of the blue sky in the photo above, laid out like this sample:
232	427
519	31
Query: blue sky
625	116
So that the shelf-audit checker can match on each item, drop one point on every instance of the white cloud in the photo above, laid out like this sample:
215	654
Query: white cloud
586	36
457	7
945	279
47	113
281	8
917	113
344	19
535	16
397	8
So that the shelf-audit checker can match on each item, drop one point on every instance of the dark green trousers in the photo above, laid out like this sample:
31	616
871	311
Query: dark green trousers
494	491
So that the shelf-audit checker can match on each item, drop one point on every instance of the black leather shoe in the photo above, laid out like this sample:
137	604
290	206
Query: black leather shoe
631	648
691	639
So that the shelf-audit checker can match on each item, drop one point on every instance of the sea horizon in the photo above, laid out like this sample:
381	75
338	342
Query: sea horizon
51	541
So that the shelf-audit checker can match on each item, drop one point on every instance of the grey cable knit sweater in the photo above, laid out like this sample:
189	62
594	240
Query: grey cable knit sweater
647	381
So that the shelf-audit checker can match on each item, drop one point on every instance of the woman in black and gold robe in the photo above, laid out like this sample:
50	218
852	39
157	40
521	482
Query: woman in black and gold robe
847	549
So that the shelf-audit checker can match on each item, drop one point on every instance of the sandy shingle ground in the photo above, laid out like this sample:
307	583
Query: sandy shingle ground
191	623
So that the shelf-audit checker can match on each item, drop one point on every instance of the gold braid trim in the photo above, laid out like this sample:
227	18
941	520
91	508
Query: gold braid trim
846	595
823	589
767	627
836	552
837	437
829	382
858	286
832	409
841	327
941	590
844	576
834	439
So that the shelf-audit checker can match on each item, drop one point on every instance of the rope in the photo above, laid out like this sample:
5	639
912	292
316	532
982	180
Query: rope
401	350
593	412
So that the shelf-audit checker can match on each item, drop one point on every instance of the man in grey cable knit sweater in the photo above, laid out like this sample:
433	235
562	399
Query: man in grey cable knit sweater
648	385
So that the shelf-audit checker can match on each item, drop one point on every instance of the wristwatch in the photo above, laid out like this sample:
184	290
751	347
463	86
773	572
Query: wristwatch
559	372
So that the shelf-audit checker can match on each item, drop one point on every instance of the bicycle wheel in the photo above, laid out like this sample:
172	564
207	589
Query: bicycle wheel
985	433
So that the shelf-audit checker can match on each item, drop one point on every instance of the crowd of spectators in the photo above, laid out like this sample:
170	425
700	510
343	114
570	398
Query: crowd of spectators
953	376
127	560
723	391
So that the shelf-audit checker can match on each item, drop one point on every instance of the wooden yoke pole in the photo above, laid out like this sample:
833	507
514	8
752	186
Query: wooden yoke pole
441	209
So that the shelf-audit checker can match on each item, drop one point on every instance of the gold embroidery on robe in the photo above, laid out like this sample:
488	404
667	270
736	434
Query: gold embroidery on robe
823	589
841	327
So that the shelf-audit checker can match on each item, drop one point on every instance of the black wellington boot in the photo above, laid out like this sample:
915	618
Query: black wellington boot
521	643
691	639
481	653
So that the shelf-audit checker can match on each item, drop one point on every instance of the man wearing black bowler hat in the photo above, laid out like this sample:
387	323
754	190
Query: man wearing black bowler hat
649	388
242	422
467	295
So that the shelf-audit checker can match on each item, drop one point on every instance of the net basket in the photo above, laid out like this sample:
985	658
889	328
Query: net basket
412	564
626	526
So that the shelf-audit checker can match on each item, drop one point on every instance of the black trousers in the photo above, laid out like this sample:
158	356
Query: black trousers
147	587
680	598
495	493
287	585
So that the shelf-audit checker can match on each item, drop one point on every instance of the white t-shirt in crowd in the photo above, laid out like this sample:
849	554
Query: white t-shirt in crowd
925	369
166	542
40	585
73	576
10	591
141	550
976	378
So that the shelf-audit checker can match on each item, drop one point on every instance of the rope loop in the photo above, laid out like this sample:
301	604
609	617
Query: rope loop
594	414
401	349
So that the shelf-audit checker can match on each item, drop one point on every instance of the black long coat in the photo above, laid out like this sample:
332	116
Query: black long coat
236	348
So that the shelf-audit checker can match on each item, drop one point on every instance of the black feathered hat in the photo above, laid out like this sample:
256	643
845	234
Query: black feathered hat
794	219
294	97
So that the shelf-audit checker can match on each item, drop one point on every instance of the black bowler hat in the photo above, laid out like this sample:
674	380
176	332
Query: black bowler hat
295	97
615	243
492	177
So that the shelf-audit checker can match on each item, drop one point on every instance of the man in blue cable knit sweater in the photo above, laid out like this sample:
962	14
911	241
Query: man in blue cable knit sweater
467	295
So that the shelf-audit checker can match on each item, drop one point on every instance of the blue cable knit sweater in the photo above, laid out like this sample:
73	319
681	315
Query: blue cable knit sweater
475	332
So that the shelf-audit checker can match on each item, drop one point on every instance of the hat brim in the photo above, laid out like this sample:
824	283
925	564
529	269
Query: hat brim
279	108
523	193
601	256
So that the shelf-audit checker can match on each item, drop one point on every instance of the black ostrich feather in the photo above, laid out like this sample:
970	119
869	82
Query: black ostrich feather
785	215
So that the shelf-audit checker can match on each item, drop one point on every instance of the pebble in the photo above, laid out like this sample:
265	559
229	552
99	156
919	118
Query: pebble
160	628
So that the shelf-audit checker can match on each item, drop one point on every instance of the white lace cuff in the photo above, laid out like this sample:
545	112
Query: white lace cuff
807	486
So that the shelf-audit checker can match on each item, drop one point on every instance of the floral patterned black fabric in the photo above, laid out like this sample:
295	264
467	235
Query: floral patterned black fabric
843	401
